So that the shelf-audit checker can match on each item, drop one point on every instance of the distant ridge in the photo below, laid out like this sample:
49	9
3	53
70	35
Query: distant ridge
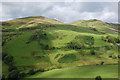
33	21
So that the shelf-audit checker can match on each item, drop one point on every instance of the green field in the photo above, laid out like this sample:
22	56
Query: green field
106	71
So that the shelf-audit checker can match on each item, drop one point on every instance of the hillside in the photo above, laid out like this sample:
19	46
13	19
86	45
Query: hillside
38	44
31	21
98	25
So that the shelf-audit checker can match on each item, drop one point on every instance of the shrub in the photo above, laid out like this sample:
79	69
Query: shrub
11	68
102	63
31	72
27	42
81	42
94	29
8	60
117	40
103	38
46	47
4	55
38	36
74	45
92	52
98	78
3	42
21	75
14	74
111	39
114	57
118	56
33	37
110	56
53	48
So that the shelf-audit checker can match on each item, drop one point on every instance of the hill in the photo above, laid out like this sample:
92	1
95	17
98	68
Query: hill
98	25
37	44
31	21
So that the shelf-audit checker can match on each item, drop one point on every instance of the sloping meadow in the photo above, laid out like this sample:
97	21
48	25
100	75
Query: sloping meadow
44	46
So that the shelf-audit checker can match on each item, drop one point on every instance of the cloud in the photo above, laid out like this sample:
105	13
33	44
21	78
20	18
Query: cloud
17	10
59	1
83	11
104	15
63	11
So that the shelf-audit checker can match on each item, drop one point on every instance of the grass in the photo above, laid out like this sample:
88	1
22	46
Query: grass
33	55
19	47
22	52
105	71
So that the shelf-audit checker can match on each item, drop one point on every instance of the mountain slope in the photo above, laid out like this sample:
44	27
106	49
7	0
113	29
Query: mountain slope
37	46
97	24
31	21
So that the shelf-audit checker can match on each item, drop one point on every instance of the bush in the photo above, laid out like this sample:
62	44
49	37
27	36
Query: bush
27	42
4	55
46	47
14	74
92	52
111	39
118	56
33	37
94	29
98	78
74	45
31	72
81	42
118	40
11	68
114	57
110	56
21	75
103	38
3	42
53	48
8	60
38	36
102	63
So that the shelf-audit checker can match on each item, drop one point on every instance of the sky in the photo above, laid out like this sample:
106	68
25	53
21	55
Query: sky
66	12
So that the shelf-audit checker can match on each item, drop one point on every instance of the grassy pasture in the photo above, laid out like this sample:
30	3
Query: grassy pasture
106	71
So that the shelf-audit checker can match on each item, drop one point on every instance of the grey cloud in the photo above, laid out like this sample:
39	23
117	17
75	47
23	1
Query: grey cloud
63	11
